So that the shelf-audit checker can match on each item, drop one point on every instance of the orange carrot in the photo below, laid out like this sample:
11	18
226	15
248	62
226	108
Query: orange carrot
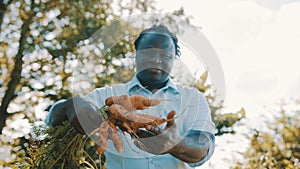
170	118
141	103
130	121
132	103
120	111
115	137
103	137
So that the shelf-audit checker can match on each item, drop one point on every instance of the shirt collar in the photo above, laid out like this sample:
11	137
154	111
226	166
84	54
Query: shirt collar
134	84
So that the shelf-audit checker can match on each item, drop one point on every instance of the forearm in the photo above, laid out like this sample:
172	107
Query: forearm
57	113
190	150
63	110
80	113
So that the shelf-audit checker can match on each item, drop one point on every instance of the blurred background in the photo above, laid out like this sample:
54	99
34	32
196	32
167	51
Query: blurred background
47	46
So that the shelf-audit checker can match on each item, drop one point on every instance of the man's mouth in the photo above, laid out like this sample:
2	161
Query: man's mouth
155	70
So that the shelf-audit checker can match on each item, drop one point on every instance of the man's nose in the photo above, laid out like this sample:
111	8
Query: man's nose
155	58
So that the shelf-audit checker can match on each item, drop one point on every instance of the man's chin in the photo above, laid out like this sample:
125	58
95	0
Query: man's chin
155	75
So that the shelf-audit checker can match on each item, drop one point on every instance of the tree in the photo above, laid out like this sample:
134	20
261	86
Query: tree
278	145
40	42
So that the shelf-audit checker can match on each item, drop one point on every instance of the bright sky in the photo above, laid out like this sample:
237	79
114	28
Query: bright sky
257	42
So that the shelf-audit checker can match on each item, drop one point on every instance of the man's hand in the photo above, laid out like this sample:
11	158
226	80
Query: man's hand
157	140
81	114
168	140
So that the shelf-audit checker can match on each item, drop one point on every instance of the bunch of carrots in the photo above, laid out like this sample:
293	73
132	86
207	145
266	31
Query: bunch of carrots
119	112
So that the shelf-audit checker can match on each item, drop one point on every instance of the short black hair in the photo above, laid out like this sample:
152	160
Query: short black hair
159	29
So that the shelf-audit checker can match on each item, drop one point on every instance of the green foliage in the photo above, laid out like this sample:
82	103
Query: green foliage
278	146
52	42
59	147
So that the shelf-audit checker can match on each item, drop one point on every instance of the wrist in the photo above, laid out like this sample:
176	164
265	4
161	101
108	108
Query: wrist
175	145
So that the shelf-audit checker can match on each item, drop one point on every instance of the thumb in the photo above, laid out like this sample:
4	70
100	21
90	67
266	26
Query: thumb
170	119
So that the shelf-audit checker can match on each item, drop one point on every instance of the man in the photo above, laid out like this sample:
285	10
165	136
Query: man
189	142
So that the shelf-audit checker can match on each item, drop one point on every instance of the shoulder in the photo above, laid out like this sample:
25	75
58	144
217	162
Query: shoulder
191	93
110	90
184	89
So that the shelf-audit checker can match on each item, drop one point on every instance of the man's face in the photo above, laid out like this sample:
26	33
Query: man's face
154	58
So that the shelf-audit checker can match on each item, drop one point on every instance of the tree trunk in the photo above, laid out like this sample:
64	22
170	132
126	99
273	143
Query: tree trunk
16	73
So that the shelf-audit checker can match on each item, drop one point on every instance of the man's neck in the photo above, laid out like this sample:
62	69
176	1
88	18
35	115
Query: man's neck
152	86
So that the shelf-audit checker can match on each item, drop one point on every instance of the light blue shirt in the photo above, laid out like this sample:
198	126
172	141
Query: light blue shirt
193	116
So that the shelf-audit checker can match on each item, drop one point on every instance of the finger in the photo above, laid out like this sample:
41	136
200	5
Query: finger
144	134
89	126
138	144
95	120
144	145
169	117
76	125
148	146
155	130
89	118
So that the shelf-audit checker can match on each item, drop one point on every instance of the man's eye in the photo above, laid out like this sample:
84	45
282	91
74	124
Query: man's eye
161	54
144	52
168	55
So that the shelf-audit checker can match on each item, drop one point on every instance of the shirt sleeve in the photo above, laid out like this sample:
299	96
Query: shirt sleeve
48	118
202	125
203	120
205	140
